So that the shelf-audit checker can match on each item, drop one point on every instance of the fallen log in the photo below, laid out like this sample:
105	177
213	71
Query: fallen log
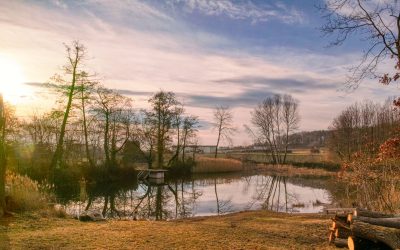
339	210
337	223
374	233
341	243
384	222
356	243
372	214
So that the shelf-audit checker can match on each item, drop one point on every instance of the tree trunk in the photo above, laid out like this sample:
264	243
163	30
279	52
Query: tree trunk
106	140
388	236
91	163
384	222
219	137
372	214
55	161
3	162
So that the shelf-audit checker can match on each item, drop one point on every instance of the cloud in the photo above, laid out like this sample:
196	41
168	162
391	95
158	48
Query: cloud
241	10
292	83
35	84
248	99
134	93
137	48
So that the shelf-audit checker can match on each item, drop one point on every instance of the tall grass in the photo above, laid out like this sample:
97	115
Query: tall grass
24	194
217	165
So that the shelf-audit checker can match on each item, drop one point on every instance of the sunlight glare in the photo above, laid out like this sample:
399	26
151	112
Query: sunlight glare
12	80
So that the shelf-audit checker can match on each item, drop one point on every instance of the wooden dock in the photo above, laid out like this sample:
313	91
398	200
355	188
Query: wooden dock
151	174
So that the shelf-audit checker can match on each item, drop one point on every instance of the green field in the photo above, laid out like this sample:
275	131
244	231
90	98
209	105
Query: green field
298	155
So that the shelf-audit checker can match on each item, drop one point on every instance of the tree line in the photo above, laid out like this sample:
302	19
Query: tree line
92	128
363	127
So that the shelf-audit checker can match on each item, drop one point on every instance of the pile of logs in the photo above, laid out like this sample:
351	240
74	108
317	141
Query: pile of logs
356	228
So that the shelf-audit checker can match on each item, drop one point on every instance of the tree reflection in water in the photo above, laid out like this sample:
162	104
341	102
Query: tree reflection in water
144	200
223	206
208	195
272	192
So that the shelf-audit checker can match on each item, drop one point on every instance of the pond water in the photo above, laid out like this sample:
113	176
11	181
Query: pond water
198	196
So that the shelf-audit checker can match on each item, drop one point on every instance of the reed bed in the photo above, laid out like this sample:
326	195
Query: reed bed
289	170
217	165
24	194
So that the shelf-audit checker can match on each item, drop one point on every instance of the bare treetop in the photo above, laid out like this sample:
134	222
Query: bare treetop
378	23
223	122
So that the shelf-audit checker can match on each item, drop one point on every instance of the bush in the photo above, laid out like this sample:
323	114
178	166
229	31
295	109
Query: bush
217	165
24	194
375	182
180	168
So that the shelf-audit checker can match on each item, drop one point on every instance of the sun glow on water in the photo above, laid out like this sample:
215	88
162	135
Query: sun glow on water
12	80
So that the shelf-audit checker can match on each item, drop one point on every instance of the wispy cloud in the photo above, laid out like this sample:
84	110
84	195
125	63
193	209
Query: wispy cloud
241	10
139	47
298	84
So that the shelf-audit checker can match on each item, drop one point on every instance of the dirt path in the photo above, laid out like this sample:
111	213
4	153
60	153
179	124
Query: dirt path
246	230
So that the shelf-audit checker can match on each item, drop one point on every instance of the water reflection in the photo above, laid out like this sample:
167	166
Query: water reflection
198	197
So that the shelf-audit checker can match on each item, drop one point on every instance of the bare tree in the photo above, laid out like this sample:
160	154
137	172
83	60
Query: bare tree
86	89
362	127
274	120
75	55
189	129
144	137
177	124
162	116
290	119
223	123
115	112
378	22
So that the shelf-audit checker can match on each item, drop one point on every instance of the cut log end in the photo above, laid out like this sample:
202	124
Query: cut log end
350	243
349	218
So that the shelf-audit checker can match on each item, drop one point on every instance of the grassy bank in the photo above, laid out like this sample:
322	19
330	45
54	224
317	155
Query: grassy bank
246	230
290	170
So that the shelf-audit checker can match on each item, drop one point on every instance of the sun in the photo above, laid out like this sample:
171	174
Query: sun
12	80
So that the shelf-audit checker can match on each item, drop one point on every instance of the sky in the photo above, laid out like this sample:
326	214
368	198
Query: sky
209	52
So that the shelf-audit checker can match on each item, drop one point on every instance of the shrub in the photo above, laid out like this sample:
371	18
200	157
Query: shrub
217	165
24	194
375	182
180	168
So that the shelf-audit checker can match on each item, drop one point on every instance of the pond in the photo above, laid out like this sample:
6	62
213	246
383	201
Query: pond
198	196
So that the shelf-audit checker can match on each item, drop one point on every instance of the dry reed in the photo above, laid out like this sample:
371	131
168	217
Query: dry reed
217	165
24	194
